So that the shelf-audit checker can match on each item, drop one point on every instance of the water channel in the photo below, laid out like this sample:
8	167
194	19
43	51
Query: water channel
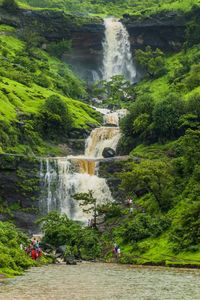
98	281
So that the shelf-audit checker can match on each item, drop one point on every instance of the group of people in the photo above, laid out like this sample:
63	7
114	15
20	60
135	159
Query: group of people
34	250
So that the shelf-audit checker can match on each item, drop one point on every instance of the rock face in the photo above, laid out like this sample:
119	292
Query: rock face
54	26
165	30
19	191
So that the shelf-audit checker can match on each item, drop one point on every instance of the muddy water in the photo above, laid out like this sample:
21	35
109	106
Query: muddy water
90	281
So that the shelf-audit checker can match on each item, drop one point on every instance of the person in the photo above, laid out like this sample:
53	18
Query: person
37	245
131	201
128	202
34	242
33	253
39	253
115	246
21	246
131	209
88	223
118	252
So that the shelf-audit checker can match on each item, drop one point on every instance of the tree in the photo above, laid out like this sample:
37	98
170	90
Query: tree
89	202
81	242
117	88
191	146
10	5
58	48
150	177
166	116
32	39
54	118
152	61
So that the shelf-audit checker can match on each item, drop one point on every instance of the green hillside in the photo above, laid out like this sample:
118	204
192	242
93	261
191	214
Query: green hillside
28	76
115	7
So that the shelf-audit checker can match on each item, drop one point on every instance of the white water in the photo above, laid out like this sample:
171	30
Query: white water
62	177
117	58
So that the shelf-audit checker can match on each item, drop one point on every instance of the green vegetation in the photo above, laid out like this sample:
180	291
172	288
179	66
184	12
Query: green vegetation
13	260
88	202
162	128
29	76
81	242
141	9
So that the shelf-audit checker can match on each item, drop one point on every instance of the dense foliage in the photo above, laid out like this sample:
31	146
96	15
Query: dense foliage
54	118
13	260
81	242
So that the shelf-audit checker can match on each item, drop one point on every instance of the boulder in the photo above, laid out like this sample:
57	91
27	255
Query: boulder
108	152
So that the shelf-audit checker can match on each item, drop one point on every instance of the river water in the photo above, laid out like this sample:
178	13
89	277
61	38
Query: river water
98	281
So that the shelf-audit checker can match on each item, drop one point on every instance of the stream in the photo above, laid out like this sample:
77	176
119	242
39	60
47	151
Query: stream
101	281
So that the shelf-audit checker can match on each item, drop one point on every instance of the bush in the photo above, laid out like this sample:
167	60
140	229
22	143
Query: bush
58	48
81	242
142	227
54	119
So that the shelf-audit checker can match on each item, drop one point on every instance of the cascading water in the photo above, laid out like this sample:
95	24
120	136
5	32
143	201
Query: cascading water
117	54
65	176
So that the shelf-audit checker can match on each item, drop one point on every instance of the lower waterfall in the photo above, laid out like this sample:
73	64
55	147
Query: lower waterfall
62	177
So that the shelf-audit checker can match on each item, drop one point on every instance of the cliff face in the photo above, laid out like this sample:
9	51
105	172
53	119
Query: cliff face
19	191
86	34
165	30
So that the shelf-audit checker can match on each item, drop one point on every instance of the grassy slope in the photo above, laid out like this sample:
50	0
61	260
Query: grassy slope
19	99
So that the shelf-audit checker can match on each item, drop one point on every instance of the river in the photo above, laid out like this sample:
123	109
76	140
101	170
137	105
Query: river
100	281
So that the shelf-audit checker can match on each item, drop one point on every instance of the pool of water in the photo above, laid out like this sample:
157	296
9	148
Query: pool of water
96	281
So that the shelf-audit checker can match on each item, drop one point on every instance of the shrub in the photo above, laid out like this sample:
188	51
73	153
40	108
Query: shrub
54	118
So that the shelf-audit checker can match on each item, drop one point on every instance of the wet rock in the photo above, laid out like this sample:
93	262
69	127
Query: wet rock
61	249
164	30
108	152
70	261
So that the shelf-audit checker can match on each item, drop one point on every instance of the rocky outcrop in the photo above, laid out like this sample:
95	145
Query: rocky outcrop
86	34
165	30
19	191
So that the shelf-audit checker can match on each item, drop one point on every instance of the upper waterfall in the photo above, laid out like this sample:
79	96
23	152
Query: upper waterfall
117	58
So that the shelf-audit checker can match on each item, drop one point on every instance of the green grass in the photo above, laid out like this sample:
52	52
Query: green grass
23	98
160	252
160	87
153	151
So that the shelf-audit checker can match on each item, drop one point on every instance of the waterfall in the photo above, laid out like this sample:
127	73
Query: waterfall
101	138
117	58
61	177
